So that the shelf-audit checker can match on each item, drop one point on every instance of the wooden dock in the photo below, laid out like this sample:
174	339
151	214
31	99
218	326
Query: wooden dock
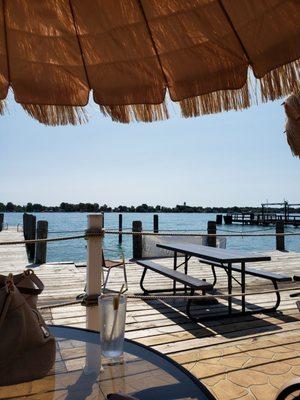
289	215
236	358
263	219
12	258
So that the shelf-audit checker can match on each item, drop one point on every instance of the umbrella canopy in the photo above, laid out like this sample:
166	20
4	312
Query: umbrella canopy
129	53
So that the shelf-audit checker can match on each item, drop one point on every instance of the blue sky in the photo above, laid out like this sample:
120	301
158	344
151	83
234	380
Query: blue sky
233	158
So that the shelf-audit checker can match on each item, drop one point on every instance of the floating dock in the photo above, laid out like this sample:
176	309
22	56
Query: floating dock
266	217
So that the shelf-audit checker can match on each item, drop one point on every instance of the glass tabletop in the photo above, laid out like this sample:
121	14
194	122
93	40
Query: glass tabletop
145	373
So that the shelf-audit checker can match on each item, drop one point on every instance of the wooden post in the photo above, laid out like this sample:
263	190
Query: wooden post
285	210
25	225
94	235
94	257
137	242
1	221
228	219
120	227
280	239
41	247
155	223
219	219
211	229
31	235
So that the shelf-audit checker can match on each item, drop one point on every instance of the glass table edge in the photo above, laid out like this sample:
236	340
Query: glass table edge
183	370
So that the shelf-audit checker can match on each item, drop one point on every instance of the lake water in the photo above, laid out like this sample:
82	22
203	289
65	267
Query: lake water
67	224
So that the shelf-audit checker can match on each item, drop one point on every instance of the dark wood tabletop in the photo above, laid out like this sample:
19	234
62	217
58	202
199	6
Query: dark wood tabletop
214	253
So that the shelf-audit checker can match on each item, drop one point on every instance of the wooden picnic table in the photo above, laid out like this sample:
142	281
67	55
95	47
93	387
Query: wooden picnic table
225	259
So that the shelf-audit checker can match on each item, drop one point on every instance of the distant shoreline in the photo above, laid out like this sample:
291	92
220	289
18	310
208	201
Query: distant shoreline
144	208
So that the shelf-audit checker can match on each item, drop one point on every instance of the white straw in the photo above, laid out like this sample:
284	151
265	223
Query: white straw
117	298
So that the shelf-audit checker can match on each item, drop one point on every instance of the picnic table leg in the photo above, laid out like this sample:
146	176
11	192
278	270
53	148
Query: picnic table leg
188	307
175	267
243	285
142	280
185	270
229	288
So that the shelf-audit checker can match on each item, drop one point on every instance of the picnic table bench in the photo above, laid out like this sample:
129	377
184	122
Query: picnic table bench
175	276
273	277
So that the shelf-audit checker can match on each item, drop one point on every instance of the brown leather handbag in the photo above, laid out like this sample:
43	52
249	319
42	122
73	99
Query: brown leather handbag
27	349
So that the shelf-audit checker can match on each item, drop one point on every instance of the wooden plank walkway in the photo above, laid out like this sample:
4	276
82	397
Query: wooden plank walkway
237	358
12	258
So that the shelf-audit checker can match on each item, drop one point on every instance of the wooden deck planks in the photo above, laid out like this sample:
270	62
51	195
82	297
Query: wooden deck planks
12	258
231	356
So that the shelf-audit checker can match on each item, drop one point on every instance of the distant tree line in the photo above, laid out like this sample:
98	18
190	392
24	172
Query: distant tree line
143	208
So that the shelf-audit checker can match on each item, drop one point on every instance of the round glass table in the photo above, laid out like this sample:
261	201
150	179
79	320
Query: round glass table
144	374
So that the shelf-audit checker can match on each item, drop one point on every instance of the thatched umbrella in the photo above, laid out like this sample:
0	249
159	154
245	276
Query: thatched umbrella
131	52
292	110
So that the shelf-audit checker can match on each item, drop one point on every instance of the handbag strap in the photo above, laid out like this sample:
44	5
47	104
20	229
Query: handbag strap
9	289
35	279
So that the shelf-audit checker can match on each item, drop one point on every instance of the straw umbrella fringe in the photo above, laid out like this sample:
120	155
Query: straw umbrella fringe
2	107
136	112
274	85
292	109
210	103
281	82
278	83
57	115
129	54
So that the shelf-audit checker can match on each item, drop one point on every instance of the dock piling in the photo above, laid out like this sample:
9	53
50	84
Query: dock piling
137	241
41	247
25	225
1	221
120	227
280	245
29	232
211	230
155	223
228	219
219	219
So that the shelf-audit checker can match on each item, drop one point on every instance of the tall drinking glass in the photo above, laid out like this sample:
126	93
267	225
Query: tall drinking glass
112	310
